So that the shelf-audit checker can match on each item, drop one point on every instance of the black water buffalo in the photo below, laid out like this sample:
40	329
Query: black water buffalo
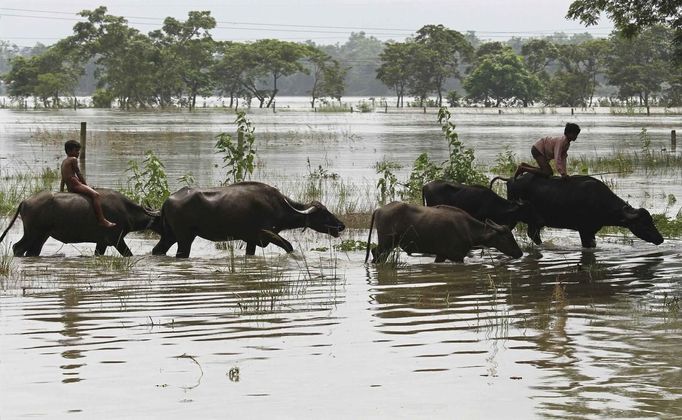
480	202
446	231
250	211
70	218
581	203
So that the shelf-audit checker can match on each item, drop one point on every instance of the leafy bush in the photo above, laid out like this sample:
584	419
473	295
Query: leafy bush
238	157
505	162
102	98
388	181
458	168
148	184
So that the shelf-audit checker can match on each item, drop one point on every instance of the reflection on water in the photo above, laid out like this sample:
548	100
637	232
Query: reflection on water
557	333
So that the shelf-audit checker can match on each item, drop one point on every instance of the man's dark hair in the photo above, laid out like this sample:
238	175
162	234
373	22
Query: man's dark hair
71	145
572	128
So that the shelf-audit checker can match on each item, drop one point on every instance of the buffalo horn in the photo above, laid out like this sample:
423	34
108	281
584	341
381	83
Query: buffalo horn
630	213
306	211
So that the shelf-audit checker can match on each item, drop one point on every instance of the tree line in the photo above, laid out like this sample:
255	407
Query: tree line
174	65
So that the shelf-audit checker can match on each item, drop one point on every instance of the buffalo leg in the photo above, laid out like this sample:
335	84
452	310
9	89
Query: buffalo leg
19	249
380	253
36	246
251	248
266	237
163	245
100	248
534	234
184	246
587	239
123	249
439	259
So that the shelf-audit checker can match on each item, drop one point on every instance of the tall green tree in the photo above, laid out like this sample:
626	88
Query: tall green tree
502	77
124	56
394	71
446	50
327	75
575	82
632	17
47	76
638	66
228	71
279	58
190	48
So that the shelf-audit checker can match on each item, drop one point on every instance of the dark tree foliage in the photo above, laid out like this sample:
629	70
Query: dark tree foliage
632	17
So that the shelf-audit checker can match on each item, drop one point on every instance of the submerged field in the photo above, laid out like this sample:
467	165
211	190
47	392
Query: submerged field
560	332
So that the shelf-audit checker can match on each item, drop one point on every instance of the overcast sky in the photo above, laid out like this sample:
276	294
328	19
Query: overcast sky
25	22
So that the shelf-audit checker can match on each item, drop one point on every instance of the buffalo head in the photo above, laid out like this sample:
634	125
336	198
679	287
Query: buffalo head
640	222
502	239
322	220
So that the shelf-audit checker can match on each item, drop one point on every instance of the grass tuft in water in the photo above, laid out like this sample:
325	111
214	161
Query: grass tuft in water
113	263
6	261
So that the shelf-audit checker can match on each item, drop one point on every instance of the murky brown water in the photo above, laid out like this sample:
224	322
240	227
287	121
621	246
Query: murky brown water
561	332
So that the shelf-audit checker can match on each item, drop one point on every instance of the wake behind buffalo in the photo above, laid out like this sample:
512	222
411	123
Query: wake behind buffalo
453	219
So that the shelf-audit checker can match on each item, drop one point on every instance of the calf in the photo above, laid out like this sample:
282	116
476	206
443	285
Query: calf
447	232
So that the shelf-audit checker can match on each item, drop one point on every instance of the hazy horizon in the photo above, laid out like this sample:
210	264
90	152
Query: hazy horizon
25	23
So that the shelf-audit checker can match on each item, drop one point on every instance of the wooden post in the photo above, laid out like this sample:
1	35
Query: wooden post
571	111
83	137
673	140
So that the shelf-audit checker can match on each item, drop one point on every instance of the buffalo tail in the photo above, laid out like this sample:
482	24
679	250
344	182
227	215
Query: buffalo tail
492	181
12	222
369	238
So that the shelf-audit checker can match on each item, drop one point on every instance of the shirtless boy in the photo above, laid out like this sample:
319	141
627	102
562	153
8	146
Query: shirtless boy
75	182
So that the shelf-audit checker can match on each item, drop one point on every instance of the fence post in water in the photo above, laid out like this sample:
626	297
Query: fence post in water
673	140
83	135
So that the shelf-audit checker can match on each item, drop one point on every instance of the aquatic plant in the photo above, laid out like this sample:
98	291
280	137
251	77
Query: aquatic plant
114	263
6	261
148	184
387	182
19	186
459	167
239	156
505	162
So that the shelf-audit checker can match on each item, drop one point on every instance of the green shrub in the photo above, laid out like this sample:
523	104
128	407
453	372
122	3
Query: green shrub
147	184
238	157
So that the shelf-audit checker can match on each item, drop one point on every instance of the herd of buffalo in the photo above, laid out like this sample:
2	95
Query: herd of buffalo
454	218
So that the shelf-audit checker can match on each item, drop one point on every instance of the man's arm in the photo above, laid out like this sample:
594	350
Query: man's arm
560	155
77	171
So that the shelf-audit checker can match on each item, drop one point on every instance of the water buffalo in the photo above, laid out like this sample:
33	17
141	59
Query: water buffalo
480	202
70	218
250	211
581	203
446	231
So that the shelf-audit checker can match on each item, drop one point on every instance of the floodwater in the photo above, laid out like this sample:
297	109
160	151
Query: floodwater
561	332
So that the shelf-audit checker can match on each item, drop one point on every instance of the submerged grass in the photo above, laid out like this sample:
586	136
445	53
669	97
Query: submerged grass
112	263
18	186
6	261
